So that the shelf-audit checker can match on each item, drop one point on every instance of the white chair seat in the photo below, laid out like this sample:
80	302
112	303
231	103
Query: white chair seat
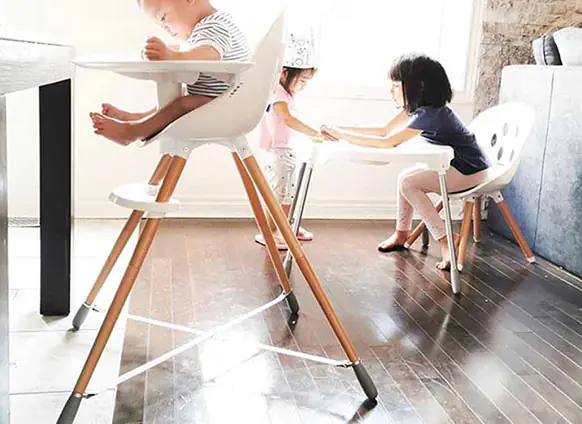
492	185
142	197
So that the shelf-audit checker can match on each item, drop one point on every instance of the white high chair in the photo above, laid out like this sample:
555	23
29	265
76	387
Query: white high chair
226	121
501	132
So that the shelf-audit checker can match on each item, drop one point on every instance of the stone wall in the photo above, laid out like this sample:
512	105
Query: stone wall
509	27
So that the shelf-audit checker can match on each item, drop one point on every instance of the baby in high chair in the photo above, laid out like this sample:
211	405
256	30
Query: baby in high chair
211	35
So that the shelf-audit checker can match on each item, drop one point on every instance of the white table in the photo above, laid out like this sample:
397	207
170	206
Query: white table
414	152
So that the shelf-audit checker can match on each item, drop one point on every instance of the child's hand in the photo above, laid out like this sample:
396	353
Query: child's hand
156	49
326	132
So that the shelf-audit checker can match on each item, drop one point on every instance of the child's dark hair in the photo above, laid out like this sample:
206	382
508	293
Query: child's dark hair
424	81
293	74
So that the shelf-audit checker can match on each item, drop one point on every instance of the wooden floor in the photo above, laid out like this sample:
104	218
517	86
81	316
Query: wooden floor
509	350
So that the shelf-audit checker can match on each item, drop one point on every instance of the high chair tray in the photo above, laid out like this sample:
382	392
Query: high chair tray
132	65
435	157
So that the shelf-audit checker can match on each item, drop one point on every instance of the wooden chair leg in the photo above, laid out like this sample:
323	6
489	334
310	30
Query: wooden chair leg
465	230
310	276
120	243
263	224
477	220
297	251
417	232
516	232
145	241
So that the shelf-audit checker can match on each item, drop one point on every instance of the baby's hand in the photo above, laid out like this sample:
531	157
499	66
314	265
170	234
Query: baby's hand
156	49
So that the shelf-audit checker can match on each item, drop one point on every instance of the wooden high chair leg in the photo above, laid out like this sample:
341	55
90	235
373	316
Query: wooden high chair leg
120	243
262	223
309	274
465	230
477	220
516	232
145	241
417	232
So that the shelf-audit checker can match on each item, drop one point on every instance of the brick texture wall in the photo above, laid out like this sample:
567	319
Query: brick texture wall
509	27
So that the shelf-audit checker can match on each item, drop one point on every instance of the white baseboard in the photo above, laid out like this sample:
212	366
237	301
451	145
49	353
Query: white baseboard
238	208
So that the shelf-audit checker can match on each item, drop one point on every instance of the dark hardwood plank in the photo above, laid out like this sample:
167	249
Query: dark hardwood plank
564	390
562	348
129	405
500	353
475	338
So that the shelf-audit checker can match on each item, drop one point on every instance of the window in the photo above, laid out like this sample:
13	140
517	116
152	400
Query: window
358	39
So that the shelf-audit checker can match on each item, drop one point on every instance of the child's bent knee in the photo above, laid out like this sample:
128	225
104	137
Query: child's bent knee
406	184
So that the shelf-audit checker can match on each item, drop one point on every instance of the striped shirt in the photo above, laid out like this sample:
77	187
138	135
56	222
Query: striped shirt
220	32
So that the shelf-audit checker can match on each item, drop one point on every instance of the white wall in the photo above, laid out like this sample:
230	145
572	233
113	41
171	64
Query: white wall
209	186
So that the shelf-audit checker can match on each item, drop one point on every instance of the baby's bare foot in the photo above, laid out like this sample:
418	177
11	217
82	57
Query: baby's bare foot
115	113
120	132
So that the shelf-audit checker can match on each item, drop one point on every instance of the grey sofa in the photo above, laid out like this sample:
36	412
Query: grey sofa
546	194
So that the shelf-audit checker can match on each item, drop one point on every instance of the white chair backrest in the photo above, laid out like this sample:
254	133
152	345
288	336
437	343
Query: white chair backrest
239	110
501	132
251	97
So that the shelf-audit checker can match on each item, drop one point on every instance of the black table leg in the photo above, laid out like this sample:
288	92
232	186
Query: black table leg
55	198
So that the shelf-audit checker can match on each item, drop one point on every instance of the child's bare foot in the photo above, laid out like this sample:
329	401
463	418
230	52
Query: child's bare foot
116	113
120	132
445	264
394	243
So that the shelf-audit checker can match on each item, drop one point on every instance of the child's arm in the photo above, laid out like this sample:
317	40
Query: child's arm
156	49
393	140
282	110
396	122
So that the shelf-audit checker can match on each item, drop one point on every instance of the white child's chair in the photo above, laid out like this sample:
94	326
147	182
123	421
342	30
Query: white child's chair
501	132
226	120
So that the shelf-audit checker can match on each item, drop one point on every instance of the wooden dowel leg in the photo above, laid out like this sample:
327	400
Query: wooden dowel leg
126	233
516	232
262	223
417	232
477	220
131	273
120	244
309	274
302	262
465	230
161	170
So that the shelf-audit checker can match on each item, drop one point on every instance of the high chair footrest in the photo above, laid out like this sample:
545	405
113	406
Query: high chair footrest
142	197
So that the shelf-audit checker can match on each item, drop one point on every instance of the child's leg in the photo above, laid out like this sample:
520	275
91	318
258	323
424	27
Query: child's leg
279	172
414	189
127	132
404	217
